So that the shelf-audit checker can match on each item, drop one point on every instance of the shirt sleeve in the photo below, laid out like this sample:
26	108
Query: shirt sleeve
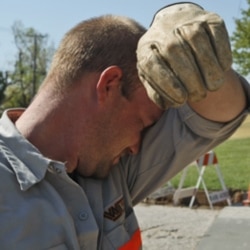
177	139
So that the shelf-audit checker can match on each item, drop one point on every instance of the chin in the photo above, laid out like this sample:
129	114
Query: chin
99	177
94	175
103	174
100	171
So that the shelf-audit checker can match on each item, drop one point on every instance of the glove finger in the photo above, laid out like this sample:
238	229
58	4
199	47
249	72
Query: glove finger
217	32
181	60
162	101
155	72
199	41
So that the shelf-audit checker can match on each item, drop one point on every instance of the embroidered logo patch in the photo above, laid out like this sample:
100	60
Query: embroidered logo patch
115	210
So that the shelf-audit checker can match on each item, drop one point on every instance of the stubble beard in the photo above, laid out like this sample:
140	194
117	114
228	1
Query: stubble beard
101	170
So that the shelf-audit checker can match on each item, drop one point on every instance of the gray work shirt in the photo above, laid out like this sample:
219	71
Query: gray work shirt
41	207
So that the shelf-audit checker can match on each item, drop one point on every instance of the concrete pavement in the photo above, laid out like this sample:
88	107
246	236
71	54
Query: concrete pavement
176	228
229	231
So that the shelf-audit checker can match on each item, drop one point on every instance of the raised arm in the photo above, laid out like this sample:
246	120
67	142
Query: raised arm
224	104
185	56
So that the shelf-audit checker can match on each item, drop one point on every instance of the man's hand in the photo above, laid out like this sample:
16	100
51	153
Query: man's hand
183	55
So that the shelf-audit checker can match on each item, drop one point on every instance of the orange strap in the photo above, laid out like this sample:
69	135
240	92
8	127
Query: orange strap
134	243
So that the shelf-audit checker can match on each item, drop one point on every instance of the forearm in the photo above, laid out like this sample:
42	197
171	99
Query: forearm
224	104
177	139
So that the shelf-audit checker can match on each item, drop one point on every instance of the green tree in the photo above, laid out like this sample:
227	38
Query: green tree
4	82
32	61
241	42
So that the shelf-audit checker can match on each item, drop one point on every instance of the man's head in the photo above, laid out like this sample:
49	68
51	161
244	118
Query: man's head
96	105
94	45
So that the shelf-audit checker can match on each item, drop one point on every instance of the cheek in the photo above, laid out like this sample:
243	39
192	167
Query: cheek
132	134
128	127
127	135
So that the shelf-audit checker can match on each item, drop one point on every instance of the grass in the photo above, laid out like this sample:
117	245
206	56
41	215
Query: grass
234	162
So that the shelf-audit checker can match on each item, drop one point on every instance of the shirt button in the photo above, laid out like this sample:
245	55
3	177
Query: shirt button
58	171
54	168
83	215
51	167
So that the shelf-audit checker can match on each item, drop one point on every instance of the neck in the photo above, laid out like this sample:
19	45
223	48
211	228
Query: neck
46	123
56	124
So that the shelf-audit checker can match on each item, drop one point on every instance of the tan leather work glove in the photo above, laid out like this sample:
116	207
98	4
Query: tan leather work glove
184	54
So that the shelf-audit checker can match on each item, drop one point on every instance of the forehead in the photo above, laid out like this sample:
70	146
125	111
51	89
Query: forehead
148	111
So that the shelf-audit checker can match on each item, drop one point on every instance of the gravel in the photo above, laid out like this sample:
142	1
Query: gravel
167	227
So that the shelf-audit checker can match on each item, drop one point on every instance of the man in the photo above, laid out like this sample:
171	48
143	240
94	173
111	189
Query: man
92	144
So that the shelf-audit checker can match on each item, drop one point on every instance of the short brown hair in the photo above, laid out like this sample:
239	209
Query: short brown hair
95	44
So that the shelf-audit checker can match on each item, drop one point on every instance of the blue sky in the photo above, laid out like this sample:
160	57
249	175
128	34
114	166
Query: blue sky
55	17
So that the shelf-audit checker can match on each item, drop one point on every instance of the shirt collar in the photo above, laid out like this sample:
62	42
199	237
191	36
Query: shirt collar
27	162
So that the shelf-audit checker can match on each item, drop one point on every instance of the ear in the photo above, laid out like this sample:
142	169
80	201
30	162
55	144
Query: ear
109	81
